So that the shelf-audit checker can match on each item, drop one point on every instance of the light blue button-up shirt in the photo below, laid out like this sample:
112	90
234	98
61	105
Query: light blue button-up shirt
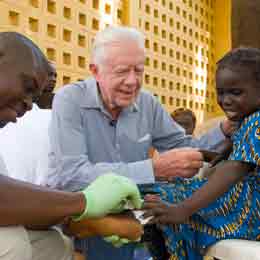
85	141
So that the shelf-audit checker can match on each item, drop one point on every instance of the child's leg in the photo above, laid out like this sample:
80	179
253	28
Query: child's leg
154	241
174	193
234	215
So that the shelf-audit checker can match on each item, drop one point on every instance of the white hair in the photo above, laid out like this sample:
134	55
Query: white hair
113	34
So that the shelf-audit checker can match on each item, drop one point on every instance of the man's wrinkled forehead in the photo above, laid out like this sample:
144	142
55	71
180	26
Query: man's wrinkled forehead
117	50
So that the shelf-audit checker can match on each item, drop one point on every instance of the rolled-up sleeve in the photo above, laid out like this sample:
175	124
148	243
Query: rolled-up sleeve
167	134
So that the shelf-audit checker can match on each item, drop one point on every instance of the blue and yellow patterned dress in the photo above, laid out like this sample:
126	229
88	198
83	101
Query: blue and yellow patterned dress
234	215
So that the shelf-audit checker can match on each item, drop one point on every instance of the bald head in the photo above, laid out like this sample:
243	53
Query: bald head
23	72
20	55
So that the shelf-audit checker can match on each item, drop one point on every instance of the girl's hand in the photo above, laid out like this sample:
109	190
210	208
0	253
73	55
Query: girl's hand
163	212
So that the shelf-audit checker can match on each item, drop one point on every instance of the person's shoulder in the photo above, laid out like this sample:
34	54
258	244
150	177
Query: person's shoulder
145	96
148	103
3	168
249	128
253	120
255	116
76	90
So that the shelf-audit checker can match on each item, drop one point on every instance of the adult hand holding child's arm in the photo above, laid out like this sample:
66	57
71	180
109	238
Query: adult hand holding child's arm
109	193
182	162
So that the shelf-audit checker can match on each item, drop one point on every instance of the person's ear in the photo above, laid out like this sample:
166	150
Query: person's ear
93	68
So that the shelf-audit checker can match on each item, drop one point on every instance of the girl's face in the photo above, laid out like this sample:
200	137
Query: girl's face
238	93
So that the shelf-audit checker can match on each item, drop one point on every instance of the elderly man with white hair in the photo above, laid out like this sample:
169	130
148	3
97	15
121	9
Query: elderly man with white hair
29	211
108	123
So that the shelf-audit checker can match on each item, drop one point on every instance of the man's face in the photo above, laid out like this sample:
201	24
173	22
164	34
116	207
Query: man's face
120	76
51	81
238	93
16	93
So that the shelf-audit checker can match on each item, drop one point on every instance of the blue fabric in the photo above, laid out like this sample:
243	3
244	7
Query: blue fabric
96	248
234	215
99	249
142	253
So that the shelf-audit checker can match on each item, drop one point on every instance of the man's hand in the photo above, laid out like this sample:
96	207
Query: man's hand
109	193
183	162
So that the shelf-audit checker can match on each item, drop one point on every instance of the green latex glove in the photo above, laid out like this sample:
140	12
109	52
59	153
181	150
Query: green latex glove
110	193
117	241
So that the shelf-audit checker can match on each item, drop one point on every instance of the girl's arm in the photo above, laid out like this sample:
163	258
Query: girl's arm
224	176
225	150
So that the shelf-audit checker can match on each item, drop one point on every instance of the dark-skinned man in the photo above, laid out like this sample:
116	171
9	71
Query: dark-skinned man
27	211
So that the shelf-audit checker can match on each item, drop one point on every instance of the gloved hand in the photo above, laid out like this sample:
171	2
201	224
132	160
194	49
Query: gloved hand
110	193
117	241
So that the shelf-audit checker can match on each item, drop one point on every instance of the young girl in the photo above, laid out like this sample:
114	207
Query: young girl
196	213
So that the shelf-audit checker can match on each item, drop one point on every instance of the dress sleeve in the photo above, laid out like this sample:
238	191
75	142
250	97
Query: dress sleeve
247	148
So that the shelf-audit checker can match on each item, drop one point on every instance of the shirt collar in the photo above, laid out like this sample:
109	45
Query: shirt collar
92	98
35	107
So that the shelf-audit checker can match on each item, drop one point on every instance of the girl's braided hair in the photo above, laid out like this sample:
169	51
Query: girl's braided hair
242	58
